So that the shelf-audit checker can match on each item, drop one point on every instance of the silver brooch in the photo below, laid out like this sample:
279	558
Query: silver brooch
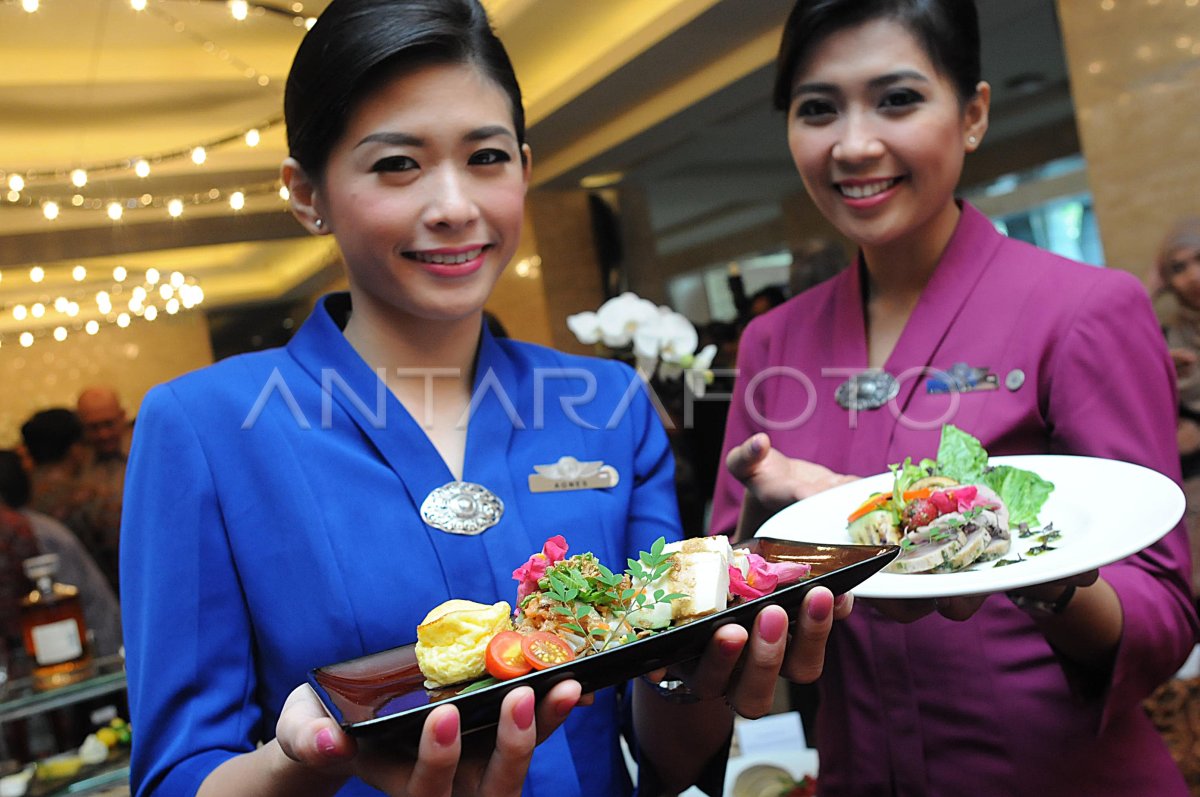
462	508
869	390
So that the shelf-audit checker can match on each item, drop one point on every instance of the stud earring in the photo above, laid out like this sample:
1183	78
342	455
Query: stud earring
971	140
319	224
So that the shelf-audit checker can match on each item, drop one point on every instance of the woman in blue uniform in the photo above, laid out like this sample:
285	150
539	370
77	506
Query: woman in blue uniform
302	506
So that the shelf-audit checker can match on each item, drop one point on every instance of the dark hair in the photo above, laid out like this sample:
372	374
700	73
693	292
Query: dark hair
947	29
355	44
50	434
14	481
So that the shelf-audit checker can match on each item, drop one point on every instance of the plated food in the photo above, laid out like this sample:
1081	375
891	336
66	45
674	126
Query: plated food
950	513
383	697
574	606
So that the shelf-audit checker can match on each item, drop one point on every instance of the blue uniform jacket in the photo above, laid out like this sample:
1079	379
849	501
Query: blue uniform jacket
271	526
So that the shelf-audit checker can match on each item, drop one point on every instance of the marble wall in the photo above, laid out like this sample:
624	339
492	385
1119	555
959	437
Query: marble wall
1135	79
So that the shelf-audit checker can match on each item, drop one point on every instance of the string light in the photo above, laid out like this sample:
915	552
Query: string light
175	208
79	177
50	210
253	137
29	5
37	274
66	314
141	167
16	182
237	200
240	9
115	211
199	155
137	5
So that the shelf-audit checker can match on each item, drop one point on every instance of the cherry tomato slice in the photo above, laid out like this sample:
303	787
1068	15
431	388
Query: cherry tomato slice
543	649
504	657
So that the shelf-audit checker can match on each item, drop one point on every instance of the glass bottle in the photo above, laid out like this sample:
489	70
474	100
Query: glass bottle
53	627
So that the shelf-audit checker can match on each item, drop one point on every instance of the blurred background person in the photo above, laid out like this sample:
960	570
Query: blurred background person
75	565
54	440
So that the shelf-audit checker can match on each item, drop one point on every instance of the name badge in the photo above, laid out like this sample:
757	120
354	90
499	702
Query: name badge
571	474
962	378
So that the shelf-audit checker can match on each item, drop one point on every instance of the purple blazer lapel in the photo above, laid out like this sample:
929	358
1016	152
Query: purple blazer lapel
944	299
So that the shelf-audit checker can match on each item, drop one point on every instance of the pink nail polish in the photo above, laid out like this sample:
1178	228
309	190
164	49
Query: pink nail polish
819	608
730	648
772	627
563	707
446	730
523	714
325	744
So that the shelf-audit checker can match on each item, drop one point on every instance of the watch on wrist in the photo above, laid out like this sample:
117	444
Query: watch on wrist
1043	608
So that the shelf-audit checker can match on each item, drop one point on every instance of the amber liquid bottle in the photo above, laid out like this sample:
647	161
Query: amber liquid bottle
53	627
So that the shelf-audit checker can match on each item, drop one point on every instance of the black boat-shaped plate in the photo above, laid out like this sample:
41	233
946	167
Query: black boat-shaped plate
383	694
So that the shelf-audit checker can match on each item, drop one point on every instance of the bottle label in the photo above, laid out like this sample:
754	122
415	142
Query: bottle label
57	642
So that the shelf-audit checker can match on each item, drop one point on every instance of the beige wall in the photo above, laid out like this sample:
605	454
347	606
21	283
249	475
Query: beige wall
51	374
1135	77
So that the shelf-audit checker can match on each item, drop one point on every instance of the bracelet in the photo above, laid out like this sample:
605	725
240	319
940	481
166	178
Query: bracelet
1041	608
672	691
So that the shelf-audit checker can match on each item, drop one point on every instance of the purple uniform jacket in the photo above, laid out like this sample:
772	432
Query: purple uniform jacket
984	707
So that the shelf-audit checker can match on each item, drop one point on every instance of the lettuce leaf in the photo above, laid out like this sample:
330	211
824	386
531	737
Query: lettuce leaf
1022	491
962	458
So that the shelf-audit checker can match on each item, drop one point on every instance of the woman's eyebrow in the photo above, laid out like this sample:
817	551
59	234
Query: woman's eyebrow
873	83
489	131
395	139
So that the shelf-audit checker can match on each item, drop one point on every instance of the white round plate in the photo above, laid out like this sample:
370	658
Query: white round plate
1104	509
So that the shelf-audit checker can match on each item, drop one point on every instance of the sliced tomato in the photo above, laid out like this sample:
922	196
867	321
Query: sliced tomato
543	649
504	657
880	500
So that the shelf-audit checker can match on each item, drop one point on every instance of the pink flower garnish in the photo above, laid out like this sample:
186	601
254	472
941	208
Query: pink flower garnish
959	499
529	574
764	576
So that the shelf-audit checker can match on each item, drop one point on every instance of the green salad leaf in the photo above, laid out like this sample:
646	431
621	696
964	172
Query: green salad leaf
963	458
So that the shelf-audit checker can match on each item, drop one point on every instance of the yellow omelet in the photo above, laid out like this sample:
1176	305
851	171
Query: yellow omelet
453	637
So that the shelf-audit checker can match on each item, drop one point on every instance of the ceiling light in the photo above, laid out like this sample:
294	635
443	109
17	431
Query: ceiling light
152	277
37	274
252	138
29	5
60	334
137	5
284	193
115	211
79	273
240	9
175	208
151	313
78	178
38	310
50	210
20	312
237	200
123	320
119	273
26	339
141	167
199	155
92	327
16	182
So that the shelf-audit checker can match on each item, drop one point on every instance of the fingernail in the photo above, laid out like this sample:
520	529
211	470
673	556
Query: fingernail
325	743
772	627
446	730
756	445
819	608
563	707
523	713
729	647
840	600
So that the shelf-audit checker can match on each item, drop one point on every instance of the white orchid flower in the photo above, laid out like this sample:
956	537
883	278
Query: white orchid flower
621	316
669	338
699	372
585	326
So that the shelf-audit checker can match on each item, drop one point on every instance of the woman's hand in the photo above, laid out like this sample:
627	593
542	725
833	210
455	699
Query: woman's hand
490	765
774	479
963	607
744	668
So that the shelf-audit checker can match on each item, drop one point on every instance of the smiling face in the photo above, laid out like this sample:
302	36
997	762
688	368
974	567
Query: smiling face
425	193
879	135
